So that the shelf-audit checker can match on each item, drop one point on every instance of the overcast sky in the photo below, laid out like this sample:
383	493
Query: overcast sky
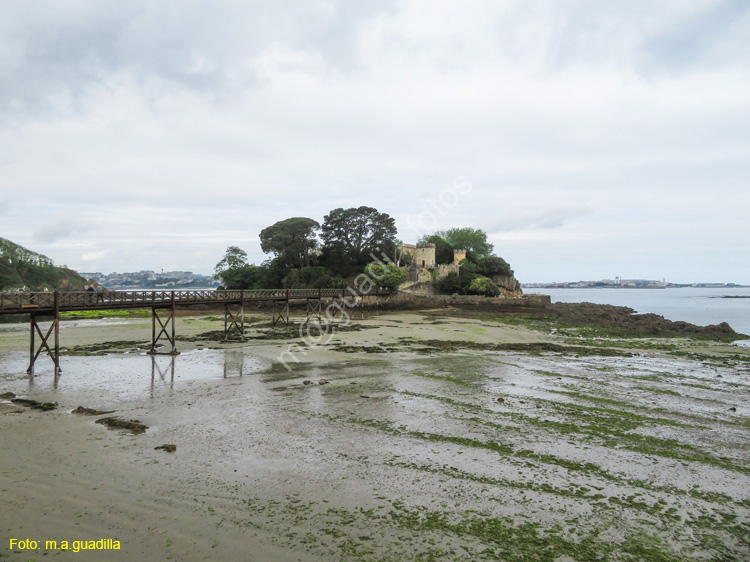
589	139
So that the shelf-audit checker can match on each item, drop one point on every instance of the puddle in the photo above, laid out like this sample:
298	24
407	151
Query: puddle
126	375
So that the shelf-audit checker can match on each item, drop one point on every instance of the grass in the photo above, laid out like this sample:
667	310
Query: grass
97	314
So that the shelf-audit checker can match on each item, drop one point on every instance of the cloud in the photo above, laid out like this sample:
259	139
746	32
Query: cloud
171	130
93	256
59	229
538	219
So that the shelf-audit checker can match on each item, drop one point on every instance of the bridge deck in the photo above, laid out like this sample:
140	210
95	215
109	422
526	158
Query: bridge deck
44	302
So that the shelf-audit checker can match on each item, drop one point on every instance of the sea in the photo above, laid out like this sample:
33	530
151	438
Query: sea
701	306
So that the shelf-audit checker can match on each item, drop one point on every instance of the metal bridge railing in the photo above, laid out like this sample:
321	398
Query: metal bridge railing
71	300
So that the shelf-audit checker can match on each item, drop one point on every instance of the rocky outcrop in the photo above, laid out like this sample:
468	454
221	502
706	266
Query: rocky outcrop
508	284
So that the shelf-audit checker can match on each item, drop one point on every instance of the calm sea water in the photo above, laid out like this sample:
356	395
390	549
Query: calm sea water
698	306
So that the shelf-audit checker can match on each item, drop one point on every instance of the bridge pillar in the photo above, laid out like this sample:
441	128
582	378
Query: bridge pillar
234	321
280	312
34	352
314	307
163	331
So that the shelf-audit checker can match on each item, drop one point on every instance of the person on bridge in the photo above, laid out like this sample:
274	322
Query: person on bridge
90	291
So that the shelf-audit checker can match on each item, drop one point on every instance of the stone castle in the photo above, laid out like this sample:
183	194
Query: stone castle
424	269
423	261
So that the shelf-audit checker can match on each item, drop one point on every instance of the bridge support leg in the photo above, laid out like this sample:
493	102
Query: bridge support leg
34	352
234	321
313	309
163	331
280	312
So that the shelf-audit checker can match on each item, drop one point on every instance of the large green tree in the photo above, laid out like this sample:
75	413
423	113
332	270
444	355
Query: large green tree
352	236
470	239
292	240
493	265
234	258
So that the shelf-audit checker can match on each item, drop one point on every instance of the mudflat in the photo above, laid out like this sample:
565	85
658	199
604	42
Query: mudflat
406	436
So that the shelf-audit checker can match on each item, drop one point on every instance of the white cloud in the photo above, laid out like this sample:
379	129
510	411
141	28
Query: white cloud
166	132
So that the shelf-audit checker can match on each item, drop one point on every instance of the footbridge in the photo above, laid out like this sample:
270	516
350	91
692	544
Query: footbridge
163	304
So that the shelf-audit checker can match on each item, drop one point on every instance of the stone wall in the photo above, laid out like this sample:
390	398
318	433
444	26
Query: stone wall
421	299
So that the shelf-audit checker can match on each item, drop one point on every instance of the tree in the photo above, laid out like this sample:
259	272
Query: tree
484	286
292	240
249	277
386	275
473	239
451	283
352	236
467	272
234	258
493	265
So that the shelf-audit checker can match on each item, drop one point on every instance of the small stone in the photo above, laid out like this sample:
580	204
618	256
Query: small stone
364	396
307	383
323	381
732	409
501	399
7	395
168	448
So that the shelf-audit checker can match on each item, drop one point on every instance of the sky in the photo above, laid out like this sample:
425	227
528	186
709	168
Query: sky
588	139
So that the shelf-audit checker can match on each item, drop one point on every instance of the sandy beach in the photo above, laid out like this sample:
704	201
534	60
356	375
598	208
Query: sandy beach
408	436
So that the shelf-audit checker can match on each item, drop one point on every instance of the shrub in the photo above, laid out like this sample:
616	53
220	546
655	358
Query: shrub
484	286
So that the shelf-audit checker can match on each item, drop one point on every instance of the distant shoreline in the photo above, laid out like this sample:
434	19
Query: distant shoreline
524	286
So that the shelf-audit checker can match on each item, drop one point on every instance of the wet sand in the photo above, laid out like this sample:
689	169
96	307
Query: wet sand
425	441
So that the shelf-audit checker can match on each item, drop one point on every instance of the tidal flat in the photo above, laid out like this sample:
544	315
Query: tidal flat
408	436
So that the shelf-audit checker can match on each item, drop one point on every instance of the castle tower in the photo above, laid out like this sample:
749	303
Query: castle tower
425	255
458	255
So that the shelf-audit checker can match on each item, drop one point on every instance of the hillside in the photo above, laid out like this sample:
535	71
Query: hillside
21	268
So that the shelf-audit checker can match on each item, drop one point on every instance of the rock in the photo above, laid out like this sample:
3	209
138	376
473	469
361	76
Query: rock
323	381
7	395
732	409
168	448
89	411
34	404
364	396
131	425
501	399
307	383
